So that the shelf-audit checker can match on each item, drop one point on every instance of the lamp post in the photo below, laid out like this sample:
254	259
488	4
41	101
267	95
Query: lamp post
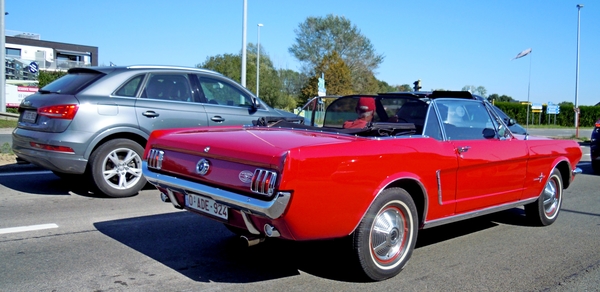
258	58
577	76
243	78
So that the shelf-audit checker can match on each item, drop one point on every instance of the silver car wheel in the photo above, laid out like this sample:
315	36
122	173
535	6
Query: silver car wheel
551	198
388	235
122	168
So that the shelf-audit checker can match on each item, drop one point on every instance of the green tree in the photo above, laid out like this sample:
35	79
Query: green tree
479	90
317	37
46	77
338	80
499	98
404	87
270	84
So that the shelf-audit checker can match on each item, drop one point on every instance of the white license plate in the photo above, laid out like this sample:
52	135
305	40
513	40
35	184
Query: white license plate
29	116
206	205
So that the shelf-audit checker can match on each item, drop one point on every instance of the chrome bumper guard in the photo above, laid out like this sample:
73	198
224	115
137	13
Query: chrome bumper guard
271	209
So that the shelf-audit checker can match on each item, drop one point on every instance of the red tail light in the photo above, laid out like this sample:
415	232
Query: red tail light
263	182
598	124
62	111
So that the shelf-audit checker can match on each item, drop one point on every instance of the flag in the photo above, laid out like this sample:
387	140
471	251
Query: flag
523	54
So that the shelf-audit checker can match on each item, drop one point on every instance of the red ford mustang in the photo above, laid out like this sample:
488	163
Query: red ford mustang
419	161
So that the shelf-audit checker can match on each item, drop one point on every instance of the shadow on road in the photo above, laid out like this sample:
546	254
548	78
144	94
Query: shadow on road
204	250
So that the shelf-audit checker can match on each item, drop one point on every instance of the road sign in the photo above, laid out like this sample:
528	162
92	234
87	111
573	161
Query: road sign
33	67
322	91
552	109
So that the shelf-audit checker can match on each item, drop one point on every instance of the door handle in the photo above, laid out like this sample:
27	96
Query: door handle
463	149
217	119
150	114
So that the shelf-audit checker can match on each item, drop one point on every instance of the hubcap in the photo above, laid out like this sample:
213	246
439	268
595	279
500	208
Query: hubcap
551	198
122	168
388	235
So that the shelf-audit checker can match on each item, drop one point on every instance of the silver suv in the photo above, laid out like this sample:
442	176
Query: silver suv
94	122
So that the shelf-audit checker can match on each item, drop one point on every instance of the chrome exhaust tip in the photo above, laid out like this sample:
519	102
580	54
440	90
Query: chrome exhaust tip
251	241
270	231
165	198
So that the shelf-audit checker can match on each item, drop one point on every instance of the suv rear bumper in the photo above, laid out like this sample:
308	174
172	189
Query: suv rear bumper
52	160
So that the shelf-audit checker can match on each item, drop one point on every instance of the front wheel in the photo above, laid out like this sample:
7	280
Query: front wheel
545	209
116	168
386	236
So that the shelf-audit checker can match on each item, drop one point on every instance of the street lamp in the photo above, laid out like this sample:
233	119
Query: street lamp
258	58
577	76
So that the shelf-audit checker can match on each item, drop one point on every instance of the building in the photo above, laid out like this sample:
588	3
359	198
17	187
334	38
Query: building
26	54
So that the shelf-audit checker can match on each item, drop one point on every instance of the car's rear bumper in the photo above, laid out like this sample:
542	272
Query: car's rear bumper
271	209
52	160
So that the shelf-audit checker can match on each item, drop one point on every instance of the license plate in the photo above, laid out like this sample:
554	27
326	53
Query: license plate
29	116
206	205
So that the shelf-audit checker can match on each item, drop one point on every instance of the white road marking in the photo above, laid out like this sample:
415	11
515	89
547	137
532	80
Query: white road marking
26	173
27	228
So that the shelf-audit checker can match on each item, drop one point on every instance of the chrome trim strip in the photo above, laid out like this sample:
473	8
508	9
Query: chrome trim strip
477	213
249	224
439	185
272	209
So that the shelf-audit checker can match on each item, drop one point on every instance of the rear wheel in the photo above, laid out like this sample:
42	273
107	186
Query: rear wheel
116	168
386	236
545	209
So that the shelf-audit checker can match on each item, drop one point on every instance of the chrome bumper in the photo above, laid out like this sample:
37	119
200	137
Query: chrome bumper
271	209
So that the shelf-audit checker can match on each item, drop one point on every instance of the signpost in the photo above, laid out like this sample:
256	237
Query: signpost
552	109
536	108
322	91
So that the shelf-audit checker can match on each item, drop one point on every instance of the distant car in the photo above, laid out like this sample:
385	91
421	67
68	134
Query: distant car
418	162
595	147
94	122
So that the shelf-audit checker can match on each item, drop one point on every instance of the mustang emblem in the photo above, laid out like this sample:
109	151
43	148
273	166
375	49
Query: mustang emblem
245	176
202	166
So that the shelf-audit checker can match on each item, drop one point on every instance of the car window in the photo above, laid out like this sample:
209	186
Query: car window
72	83
131	87
175	87
464	119
220	92
432	125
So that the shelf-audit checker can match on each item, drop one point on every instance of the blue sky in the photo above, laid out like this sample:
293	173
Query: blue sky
446	43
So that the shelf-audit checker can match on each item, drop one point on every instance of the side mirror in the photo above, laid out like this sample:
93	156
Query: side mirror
256	103
510	122
489	133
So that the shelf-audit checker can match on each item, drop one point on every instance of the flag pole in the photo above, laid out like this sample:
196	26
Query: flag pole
528	91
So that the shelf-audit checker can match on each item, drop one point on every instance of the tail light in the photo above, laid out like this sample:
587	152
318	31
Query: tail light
263	182
598	124
62	111
155	158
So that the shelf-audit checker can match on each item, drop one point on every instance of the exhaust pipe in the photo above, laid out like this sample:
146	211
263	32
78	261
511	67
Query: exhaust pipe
251	241
164	198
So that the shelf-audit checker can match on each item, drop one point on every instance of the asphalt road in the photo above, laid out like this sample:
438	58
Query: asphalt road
91	243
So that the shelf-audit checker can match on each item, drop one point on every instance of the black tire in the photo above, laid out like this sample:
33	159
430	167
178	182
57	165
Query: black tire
545	209
385	238
596	166
116	168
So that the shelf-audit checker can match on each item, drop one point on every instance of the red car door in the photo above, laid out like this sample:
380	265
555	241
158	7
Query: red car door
491	170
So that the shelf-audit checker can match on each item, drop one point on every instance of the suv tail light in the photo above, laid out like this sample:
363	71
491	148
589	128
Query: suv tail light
62	111
597	124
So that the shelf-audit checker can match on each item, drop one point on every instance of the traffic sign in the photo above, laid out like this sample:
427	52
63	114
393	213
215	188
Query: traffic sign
33	67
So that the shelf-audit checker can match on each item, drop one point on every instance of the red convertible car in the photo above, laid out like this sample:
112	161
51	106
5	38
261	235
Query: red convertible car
416	161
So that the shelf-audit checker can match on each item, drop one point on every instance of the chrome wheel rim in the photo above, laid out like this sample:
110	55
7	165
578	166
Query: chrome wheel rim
551	198
122	168
389	236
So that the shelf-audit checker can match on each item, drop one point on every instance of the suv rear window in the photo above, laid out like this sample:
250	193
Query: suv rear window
72	83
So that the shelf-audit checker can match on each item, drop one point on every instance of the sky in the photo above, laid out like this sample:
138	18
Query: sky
447	44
